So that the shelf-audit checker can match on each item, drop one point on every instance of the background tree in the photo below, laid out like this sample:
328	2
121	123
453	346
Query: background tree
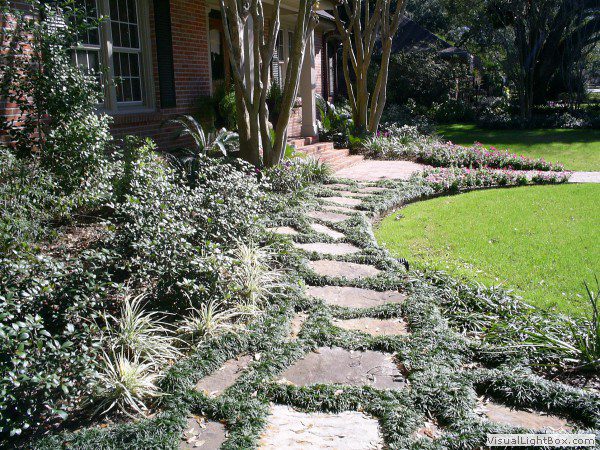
250	60
361	24
544	42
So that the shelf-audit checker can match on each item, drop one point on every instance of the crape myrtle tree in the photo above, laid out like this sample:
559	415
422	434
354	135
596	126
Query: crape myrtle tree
361	24
251	46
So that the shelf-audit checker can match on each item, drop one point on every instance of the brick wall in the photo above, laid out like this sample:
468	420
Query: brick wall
191	64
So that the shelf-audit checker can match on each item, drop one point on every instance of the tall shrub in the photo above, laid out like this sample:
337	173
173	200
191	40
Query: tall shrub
56	101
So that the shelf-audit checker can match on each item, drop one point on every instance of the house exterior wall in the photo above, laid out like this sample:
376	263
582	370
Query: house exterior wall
191	62
189	29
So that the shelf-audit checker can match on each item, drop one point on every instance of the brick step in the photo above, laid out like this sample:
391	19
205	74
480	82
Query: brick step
303	141
347	162
313	149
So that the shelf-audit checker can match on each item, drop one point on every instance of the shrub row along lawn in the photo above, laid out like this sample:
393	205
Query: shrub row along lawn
542	241
576	149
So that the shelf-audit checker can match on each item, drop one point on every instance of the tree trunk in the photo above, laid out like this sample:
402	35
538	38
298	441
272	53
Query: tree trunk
251	63
363	25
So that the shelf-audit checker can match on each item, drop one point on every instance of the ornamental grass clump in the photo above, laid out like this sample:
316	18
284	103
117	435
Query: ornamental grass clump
210	320
141	334
252	278
124	383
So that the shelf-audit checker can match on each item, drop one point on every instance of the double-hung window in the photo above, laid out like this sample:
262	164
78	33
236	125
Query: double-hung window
119	50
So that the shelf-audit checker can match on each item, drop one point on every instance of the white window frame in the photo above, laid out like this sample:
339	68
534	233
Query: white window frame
110	104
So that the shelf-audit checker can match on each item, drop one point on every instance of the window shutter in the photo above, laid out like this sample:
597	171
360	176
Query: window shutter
164	53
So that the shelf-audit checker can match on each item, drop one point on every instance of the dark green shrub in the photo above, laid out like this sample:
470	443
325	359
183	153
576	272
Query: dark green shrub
57	101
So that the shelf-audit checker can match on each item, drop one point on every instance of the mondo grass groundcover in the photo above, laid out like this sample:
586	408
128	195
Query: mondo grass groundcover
446	369
541	241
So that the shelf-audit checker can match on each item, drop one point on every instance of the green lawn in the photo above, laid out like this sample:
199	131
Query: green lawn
577	149
542	241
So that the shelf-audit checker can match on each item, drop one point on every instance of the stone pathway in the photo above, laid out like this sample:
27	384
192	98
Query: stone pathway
374	170
201	433
374	327
585	177
352	297
351	368
327	216
348	270
326	230
290	429
524	419
215	383
344	201
327	248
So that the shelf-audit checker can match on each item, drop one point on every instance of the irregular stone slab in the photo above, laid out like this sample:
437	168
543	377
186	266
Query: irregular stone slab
224	377
351	271
344	201
326	230
291	429
372	189
327	248
201	433
340	366
375	327
375	170
525	419
353	194
339	208
297	323
283	230
352	297
337	186
327	216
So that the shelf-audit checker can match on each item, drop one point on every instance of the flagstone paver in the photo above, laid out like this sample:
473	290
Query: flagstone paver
215	383
353	194
337	186
200	433
296	324
283	230
338	208
373	170
344	201
331	268
327	248
337	365
326	230
585	177
373	326
290	429
328	216
352	297
372	189
525	419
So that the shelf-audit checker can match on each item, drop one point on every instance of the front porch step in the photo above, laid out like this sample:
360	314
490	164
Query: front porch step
327	153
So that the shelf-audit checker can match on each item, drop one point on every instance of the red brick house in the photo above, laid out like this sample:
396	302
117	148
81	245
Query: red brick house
168	53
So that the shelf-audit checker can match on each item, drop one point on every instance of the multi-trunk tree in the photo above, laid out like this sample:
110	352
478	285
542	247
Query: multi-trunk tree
251	42
361	25
543	40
